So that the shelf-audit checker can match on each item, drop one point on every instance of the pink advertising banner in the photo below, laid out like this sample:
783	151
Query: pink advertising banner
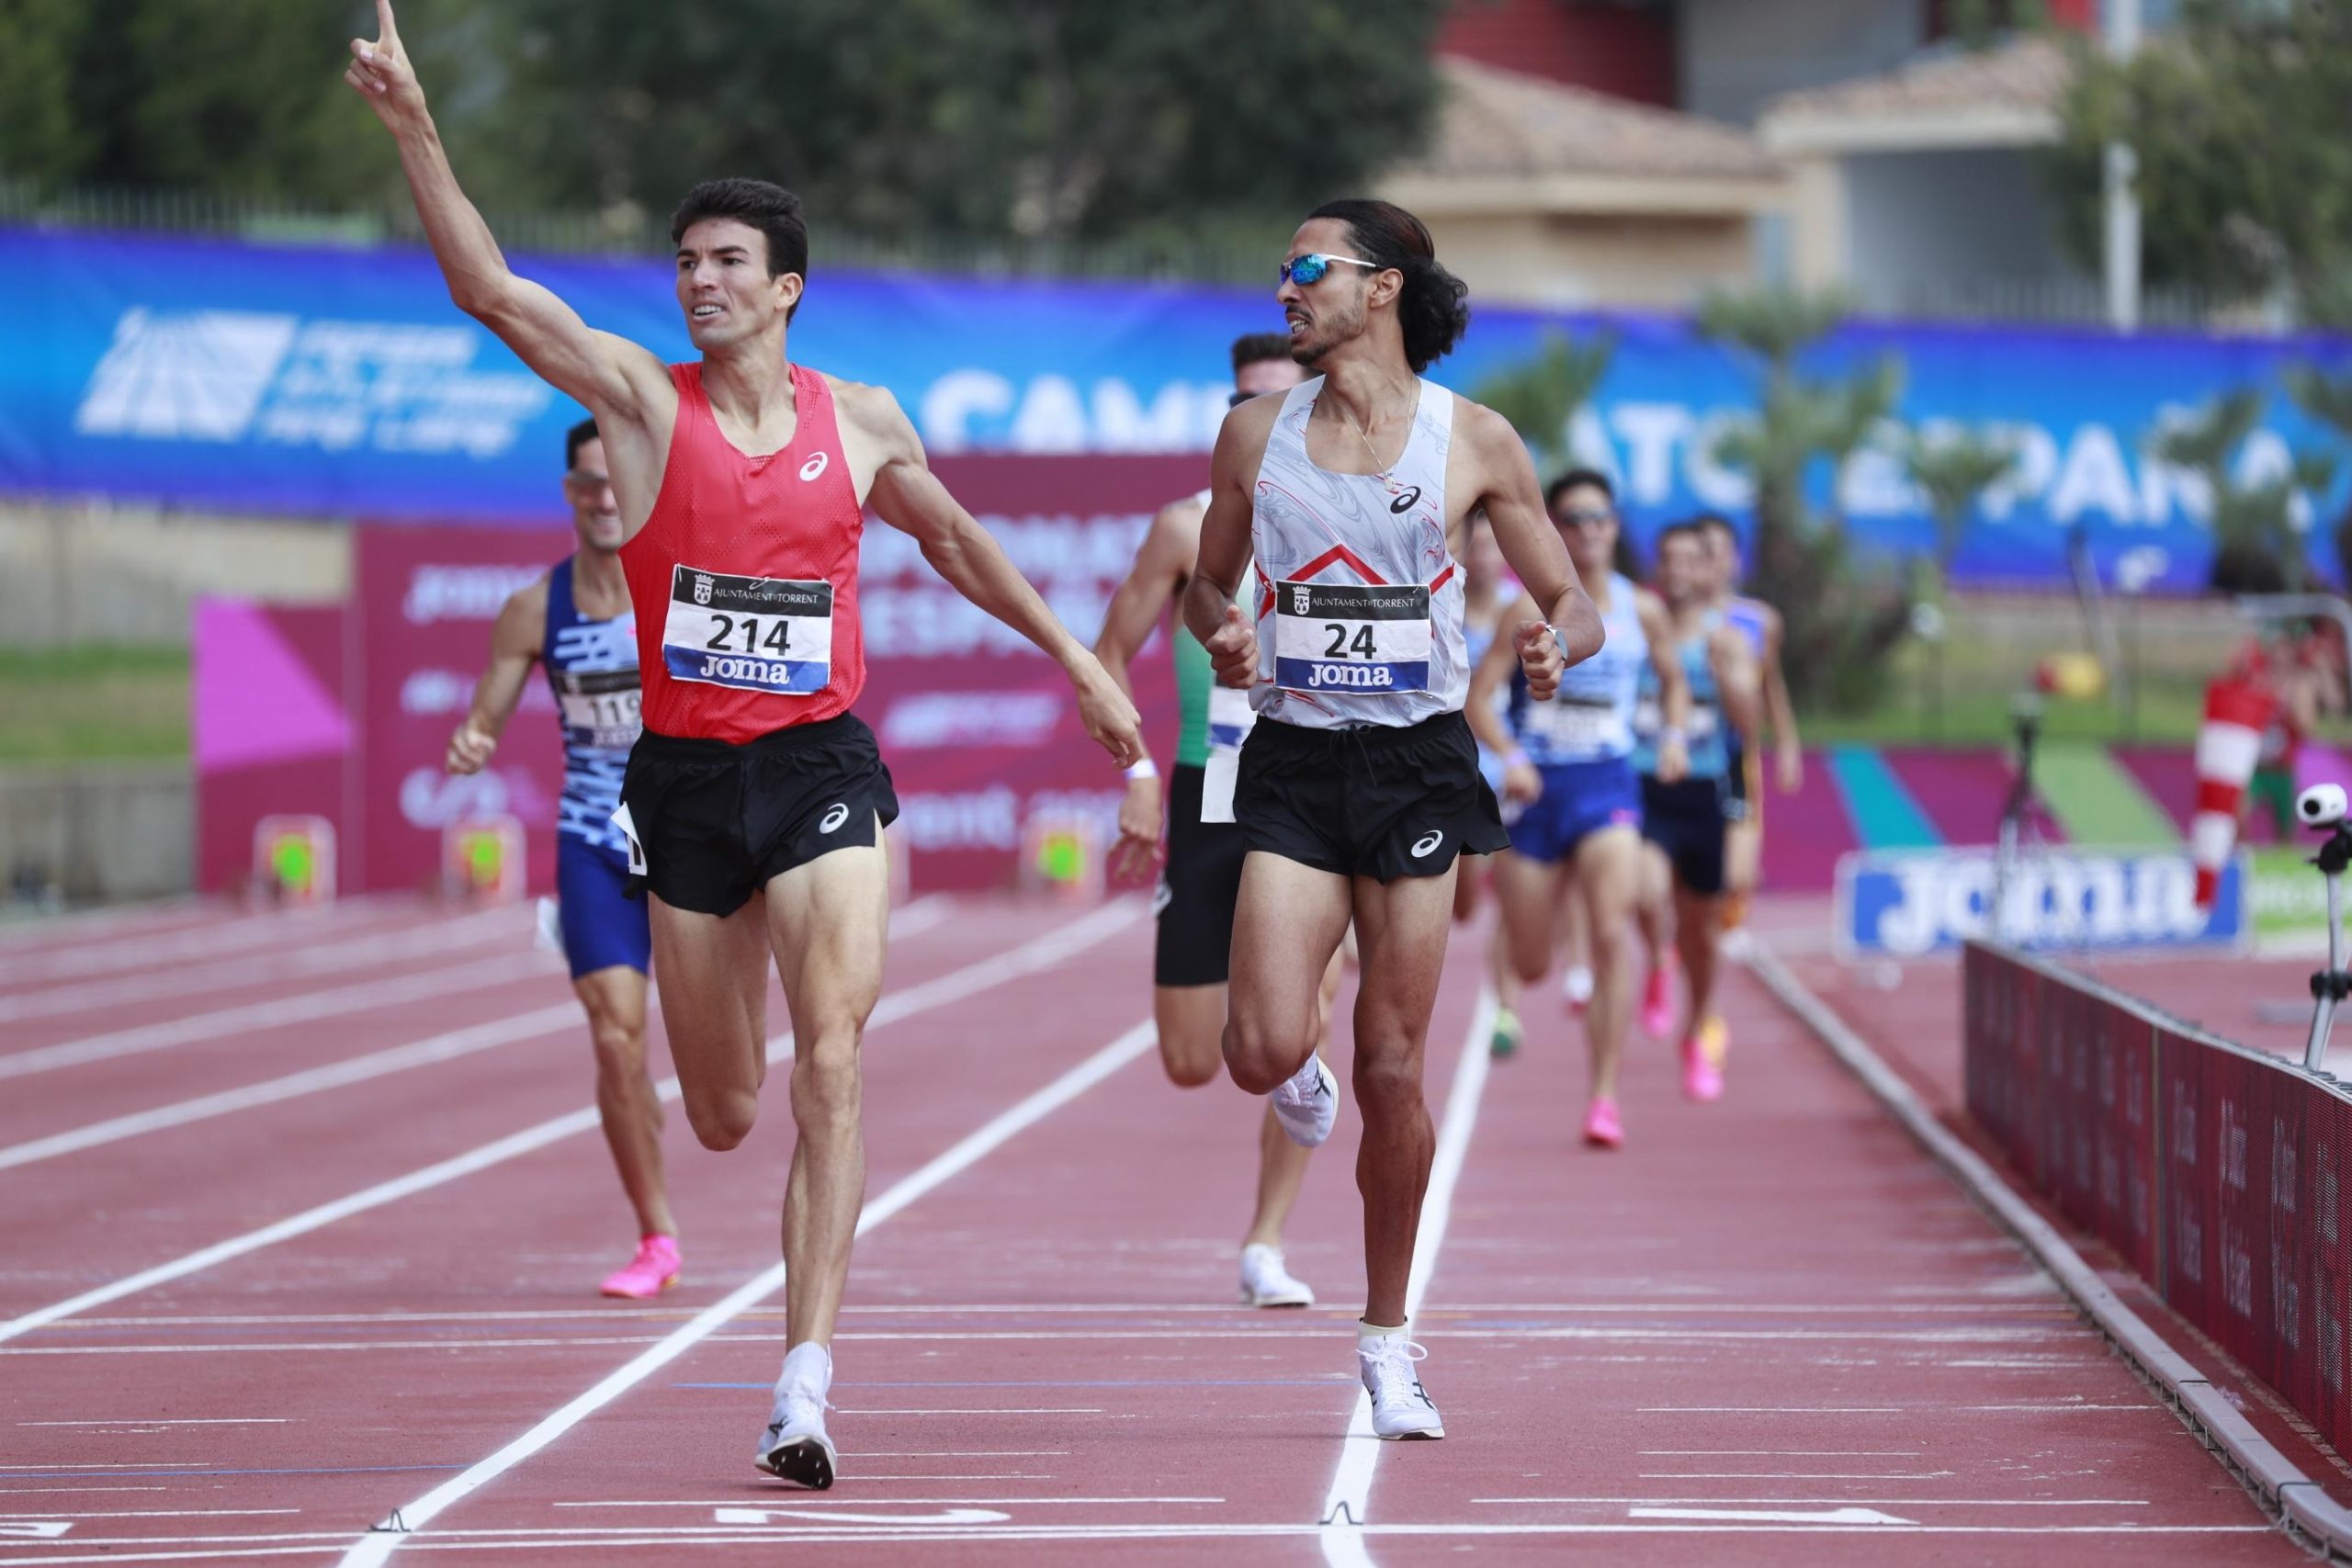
977	726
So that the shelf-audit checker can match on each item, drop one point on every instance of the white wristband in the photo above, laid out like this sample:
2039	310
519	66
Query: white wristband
1671	736
1516	759
1146	769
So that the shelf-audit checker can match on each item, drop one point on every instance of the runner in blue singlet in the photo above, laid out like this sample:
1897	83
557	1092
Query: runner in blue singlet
1684	819
1760	624
576	623
1568	768
1487	590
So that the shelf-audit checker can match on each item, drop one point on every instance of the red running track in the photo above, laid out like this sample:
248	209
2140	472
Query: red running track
300	1255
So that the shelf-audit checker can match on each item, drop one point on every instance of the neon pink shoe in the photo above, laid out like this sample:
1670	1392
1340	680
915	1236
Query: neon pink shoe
654	1269
1601	1128
1657	1001
1702	1079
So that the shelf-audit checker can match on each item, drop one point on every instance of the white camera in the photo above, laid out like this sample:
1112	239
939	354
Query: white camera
2322	805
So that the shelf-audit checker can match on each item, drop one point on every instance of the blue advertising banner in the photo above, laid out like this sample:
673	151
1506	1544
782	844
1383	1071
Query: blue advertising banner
335	382
1906	903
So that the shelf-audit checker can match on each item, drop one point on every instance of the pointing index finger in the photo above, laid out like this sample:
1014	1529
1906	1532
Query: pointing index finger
386	31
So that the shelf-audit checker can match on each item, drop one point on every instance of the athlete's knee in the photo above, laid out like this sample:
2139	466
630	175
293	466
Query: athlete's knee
1260	1055
825	1087
620	1046
1191	1063
722	1119
1386	1081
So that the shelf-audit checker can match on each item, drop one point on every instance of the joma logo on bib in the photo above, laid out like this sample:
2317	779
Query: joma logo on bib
1352	677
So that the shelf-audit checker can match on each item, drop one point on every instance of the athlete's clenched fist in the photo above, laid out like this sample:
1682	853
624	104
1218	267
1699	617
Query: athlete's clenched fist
1233	649
1540	656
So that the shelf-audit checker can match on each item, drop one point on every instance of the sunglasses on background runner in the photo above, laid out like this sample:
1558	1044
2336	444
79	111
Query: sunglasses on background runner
1586	518
1309	269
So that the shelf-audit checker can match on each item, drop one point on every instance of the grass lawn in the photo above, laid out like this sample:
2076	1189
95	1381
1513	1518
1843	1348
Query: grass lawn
93	703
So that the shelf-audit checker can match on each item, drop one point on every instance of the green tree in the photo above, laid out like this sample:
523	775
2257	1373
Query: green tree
243	98
1953	470
1543	397
2238	121
2328	399
1041	120
1841	618
2256	547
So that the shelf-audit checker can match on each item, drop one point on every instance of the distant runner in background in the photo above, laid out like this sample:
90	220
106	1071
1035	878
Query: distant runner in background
1487	587
1761	623
576	623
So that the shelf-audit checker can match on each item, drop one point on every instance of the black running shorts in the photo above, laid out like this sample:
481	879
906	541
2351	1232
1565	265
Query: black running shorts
717	820
1198	888
1686	819
1375	802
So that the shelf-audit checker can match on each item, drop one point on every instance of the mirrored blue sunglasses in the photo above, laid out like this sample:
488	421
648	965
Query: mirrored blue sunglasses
1309	269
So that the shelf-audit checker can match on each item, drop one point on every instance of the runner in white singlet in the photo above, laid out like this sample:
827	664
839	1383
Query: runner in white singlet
1360	783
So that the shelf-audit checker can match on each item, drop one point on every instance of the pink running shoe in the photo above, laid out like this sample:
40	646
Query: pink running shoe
1657	1001
1601	1128
1701	1080
653	1271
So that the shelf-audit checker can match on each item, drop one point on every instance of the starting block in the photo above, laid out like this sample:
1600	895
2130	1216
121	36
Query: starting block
482	860
294	859
1061	853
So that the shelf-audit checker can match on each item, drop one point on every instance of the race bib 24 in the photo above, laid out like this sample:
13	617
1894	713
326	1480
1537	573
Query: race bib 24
1343	638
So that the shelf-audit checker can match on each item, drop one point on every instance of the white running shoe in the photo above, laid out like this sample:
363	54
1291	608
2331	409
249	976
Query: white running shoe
1266	1284
794	1446
1400	1405
1307	1103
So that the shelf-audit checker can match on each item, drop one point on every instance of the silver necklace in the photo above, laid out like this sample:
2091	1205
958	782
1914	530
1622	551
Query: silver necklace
1380	470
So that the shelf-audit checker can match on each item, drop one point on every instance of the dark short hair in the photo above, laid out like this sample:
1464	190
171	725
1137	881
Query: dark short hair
1257	348
1691	529
772	209
579	435
1716	520
1575	477
1434	309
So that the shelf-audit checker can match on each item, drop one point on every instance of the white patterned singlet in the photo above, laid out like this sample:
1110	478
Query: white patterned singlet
1360	601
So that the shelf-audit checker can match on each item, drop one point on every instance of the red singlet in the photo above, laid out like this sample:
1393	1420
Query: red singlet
745	577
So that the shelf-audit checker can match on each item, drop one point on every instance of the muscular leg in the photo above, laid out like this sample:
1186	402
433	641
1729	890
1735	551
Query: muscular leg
1402	928
1608	874
1281	1165
1527	891
615	999
1190	1021
1287	923
1695	936
713	972
827	921
1653	904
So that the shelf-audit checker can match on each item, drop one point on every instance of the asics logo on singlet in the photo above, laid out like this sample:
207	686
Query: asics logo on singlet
1426	843
834	819
814	466
1407	501
1359	676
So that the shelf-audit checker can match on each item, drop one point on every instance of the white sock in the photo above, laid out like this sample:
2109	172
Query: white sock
810	1367
1576	983
1367	1332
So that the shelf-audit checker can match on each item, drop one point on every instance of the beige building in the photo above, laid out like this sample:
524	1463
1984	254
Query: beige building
1542	194
1915	188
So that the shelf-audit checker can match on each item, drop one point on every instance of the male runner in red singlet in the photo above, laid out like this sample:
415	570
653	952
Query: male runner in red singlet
741	481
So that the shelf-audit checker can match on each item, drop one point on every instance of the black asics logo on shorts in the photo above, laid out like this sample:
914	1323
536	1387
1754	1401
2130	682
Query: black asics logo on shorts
1407	501
834	817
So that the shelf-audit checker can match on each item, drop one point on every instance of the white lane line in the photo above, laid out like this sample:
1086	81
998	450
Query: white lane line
368	995
2049	1407
650	1537
376	1546
989	1410
143	1421
1876	1502
1345	1506
447	1046
1775	1515
991	1502
367	950
188	943
1040	951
